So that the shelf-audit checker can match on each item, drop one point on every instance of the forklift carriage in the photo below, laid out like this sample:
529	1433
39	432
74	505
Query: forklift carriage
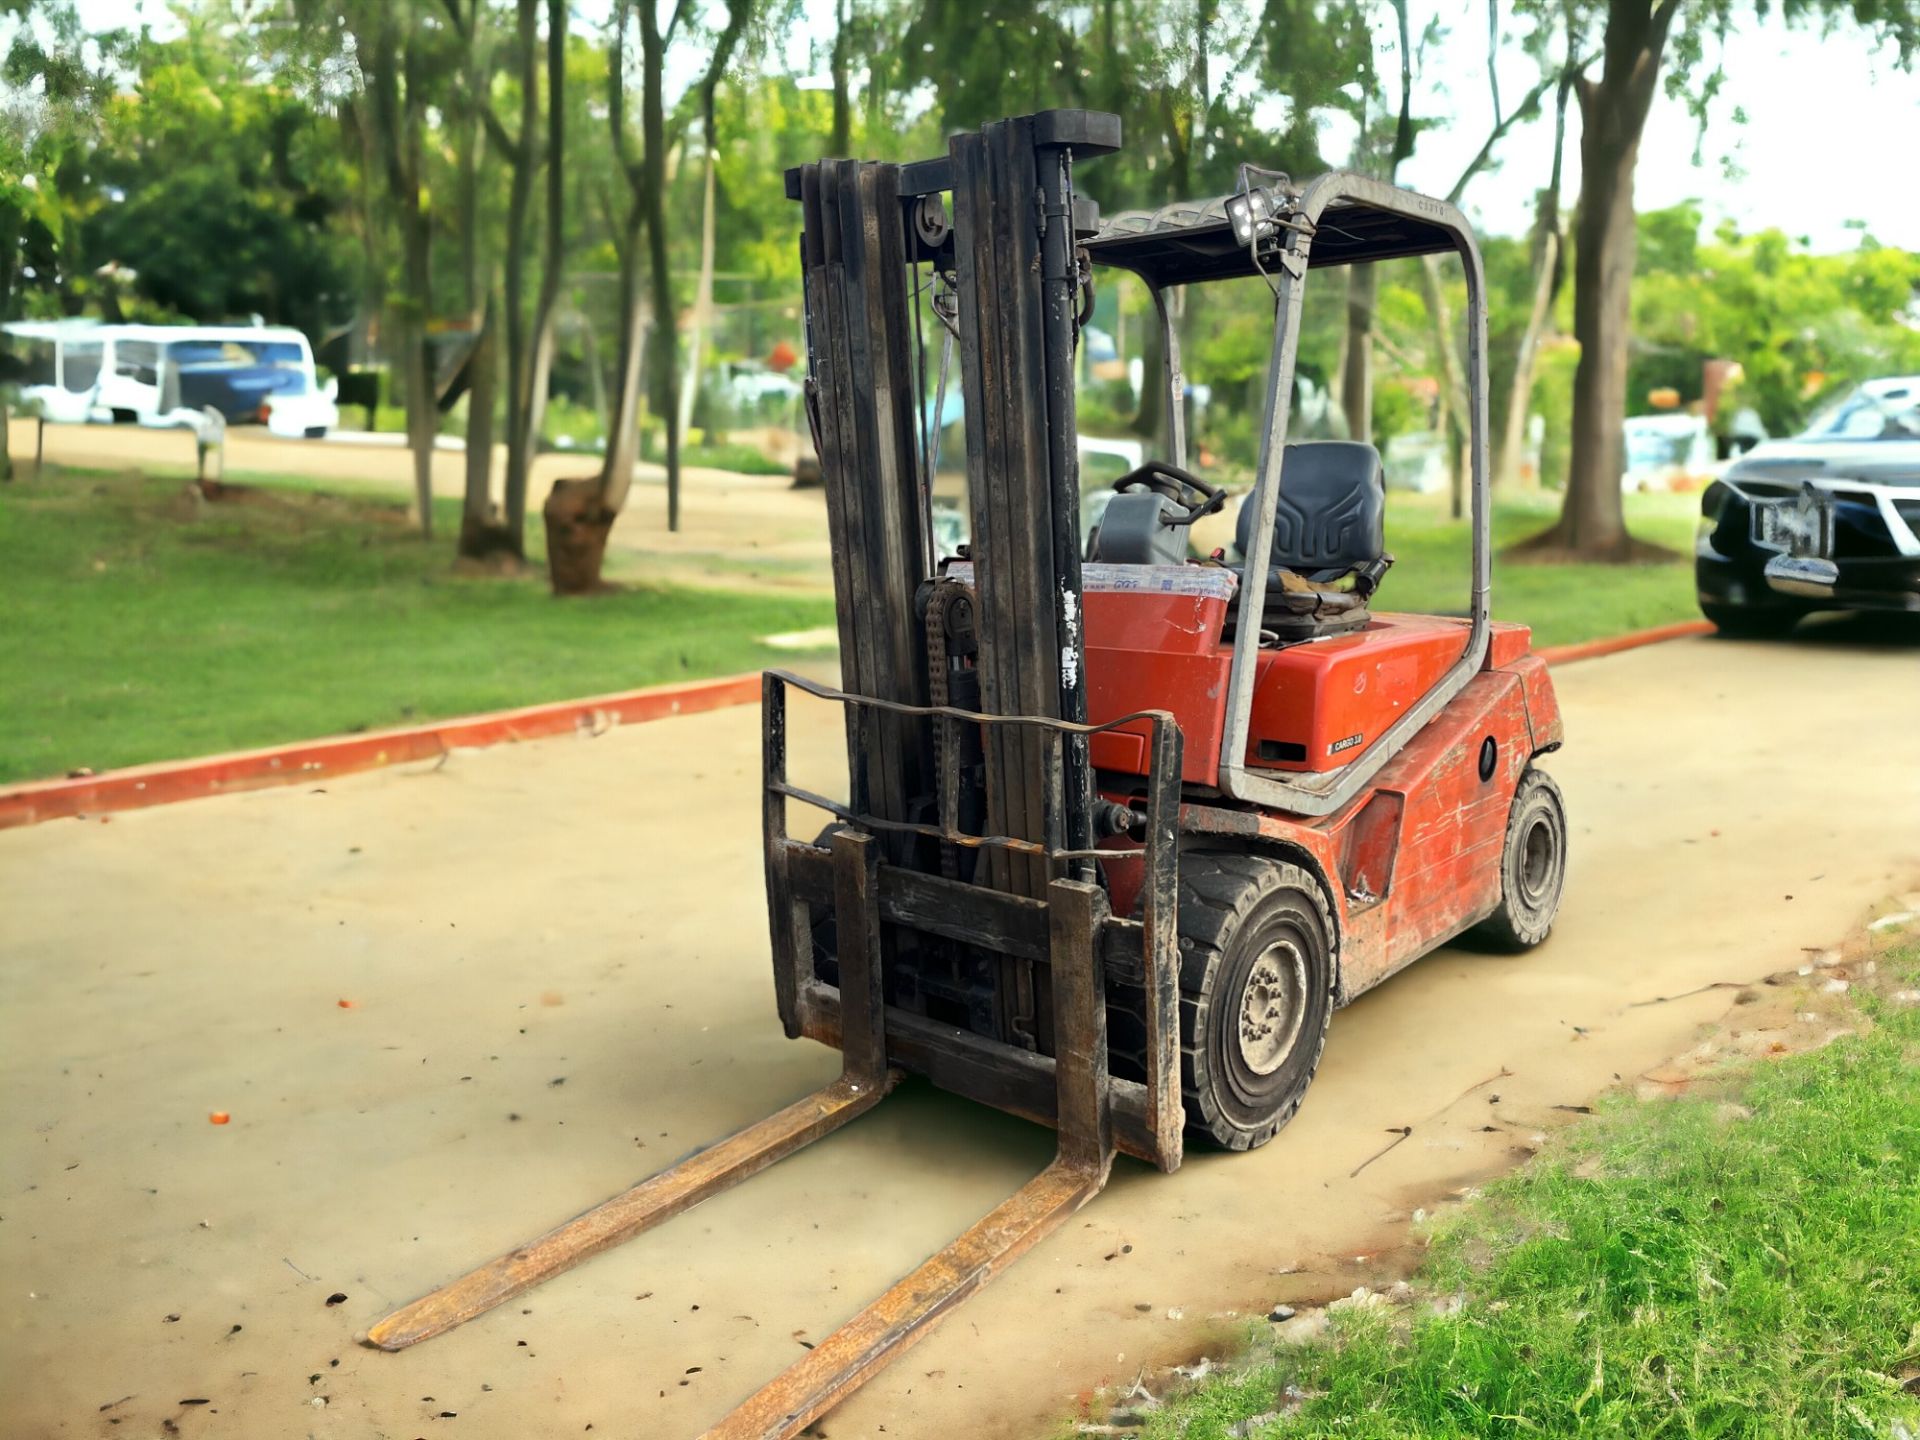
1122	830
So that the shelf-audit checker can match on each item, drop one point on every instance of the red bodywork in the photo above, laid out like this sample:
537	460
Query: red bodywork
1410	861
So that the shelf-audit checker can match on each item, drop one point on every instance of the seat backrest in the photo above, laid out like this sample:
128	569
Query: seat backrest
1331	514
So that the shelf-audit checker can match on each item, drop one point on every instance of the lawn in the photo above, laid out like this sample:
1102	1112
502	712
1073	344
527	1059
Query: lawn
1744	1263
1563	603
140	626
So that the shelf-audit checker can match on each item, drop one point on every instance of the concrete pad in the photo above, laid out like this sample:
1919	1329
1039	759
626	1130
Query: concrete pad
556	961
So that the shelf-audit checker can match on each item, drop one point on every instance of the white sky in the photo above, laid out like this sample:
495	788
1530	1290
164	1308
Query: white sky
1820	107
1832	133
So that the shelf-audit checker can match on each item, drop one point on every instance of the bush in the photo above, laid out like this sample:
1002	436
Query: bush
1396	410
570	425
1105	407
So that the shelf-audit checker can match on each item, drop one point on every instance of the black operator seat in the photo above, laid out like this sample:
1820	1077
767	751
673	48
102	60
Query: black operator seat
1329	539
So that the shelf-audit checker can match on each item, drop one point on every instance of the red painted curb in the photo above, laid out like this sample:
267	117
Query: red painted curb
139	786
1614	644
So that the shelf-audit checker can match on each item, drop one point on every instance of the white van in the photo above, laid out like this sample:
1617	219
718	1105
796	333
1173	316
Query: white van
59	363
170	375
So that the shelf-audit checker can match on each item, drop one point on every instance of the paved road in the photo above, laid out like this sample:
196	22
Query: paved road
556	959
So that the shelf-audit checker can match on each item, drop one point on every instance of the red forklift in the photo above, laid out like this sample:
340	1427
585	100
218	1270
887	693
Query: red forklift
1122	828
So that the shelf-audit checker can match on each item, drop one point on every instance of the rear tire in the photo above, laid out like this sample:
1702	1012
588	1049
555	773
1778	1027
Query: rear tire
1767	622
1533	865
1256	996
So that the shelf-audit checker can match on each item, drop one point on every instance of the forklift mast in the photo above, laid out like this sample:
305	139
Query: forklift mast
968	753
868	229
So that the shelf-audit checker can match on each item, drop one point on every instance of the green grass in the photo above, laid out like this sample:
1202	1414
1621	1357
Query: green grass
1668	1269
1563	603
134	631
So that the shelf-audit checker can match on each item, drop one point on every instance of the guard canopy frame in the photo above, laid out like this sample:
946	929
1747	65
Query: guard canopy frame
1339	218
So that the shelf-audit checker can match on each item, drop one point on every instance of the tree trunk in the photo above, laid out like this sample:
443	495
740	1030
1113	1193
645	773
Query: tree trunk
1508	467
1356	382
395	117
667	352
1613	112
473	139
539	389
1593	522
596	372
579	513
840	143
1548	253
519	367
9	248
578	522
482	536
1356	376
371	317
702	301
623	434
520	338
553	254
423	416
1456	402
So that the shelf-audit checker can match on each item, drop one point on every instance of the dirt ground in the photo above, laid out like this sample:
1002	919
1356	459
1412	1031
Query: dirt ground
735	530
557	972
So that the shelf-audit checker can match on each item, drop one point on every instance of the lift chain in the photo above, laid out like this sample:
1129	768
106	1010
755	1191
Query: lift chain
941	602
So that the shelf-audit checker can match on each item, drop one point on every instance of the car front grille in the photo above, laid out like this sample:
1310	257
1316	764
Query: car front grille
1860	531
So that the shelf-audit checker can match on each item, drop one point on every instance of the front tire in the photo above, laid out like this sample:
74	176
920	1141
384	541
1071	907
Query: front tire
1256	996
1533	865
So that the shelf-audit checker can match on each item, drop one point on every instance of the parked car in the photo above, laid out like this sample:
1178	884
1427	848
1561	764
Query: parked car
1827	520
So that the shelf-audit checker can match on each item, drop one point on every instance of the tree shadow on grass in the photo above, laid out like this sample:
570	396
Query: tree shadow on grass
1550	547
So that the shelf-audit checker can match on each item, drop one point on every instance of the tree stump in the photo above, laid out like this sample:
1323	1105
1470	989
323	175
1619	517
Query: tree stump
577	527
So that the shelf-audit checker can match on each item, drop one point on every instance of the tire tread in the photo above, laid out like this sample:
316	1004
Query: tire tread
1218	891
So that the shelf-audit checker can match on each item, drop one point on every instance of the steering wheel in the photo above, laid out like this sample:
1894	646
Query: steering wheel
1176	485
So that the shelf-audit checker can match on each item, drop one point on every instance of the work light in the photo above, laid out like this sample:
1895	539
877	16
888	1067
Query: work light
1251	214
